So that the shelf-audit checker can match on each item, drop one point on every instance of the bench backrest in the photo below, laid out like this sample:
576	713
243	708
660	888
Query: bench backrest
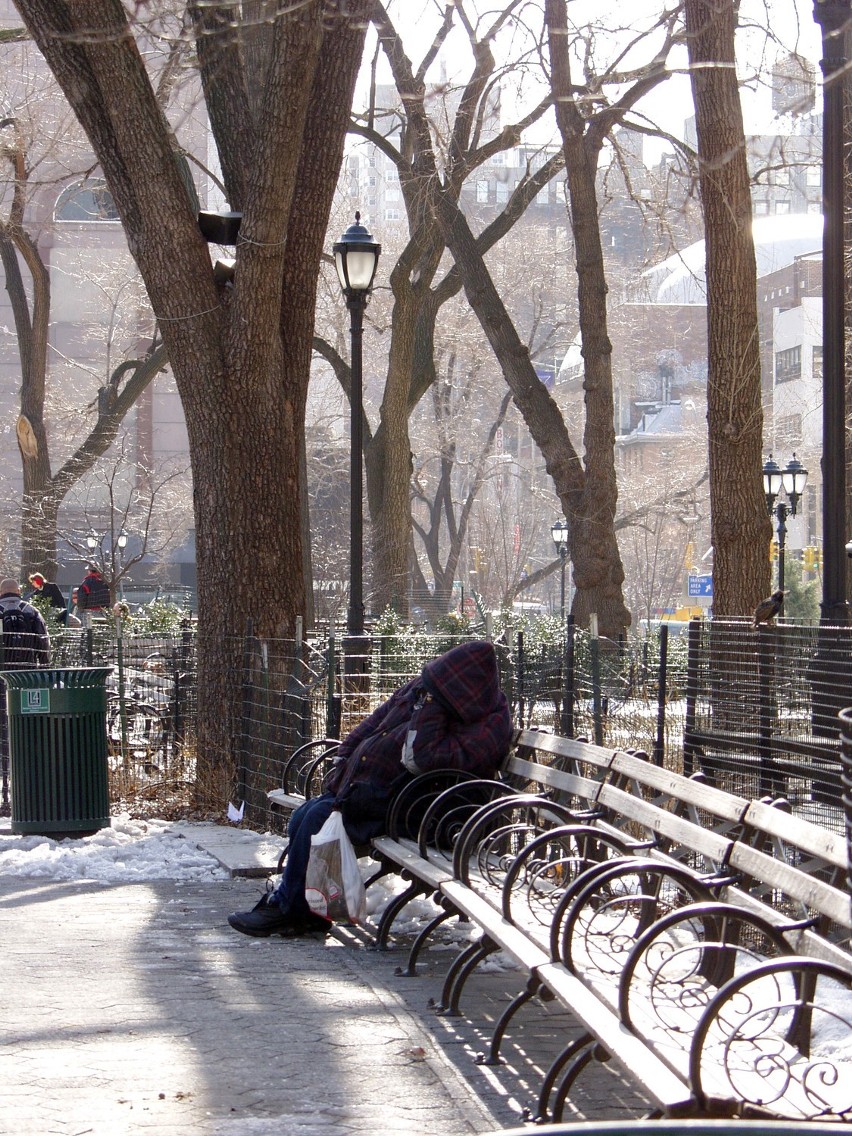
776	861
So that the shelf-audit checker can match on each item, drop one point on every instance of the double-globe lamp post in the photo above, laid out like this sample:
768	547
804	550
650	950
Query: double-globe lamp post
356	257
792	480
96	544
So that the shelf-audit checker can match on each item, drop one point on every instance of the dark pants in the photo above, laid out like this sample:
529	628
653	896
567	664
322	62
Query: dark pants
305	822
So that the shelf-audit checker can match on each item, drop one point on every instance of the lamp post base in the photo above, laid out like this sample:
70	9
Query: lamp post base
357	650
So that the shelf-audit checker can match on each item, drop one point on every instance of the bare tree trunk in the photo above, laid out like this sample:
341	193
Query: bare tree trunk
740	527
546	426
240	354
389	453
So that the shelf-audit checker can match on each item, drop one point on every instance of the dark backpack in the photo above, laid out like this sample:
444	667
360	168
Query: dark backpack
20	638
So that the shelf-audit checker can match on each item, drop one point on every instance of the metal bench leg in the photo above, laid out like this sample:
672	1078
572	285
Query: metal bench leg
581	1060
379	874
393	909
459	972
526	995
578	1047
410	970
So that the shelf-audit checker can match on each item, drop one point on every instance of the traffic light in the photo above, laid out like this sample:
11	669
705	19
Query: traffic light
809	558
773	550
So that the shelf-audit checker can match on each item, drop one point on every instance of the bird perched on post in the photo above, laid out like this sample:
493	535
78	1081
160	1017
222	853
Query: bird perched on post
767	609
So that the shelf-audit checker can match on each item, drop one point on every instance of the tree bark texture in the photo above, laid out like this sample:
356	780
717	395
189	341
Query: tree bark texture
598	572
740	527
240	352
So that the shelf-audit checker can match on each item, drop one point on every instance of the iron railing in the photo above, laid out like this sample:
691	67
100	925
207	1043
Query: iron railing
754	710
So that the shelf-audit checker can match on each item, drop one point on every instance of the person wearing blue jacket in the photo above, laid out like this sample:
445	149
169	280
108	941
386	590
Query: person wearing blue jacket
452	716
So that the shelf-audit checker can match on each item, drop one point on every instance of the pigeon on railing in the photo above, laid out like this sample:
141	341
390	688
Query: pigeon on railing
767	609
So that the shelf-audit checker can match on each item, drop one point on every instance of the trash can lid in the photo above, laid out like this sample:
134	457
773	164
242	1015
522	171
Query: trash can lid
76	677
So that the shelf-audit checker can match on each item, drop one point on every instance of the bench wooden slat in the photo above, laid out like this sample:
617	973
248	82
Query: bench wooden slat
676	787
407	856
574	749
796	832
656	1077
811	892
586	788
284	799
690	837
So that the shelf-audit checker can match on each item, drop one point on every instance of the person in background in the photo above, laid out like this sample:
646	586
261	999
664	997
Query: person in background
451	716
24	643
51	592
93	593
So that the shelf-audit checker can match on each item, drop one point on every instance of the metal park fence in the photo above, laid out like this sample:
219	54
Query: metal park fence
151	708
753	710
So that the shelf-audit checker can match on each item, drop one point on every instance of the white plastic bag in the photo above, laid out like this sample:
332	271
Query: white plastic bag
334	888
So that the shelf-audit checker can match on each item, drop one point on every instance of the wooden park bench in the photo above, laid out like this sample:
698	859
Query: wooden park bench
653	907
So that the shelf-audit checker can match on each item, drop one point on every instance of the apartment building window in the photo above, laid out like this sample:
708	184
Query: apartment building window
816	362
761	208
813	176
482	192
782	207
788	364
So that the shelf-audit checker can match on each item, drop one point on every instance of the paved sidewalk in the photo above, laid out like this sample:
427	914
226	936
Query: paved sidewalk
136	1009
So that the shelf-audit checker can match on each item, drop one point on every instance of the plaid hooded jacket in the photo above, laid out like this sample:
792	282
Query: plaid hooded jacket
453	716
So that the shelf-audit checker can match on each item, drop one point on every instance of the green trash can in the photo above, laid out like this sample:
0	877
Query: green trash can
58	750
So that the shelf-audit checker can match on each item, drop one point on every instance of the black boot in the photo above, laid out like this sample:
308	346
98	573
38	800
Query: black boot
265	918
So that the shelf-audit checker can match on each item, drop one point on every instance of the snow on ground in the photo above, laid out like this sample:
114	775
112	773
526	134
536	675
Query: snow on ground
129	851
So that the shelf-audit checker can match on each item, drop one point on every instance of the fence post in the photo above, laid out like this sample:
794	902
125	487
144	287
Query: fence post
662	680
181	682
692	672
242	778
521	683
595	656
566	726
766	704
333	702
845	719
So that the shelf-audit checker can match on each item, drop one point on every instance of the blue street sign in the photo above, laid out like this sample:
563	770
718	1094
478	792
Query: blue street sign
701	586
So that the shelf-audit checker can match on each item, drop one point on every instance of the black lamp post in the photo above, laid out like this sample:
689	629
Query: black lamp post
559	532
792	480
356	256
832	17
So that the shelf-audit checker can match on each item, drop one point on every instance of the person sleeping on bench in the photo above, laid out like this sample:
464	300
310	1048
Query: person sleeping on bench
452	716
